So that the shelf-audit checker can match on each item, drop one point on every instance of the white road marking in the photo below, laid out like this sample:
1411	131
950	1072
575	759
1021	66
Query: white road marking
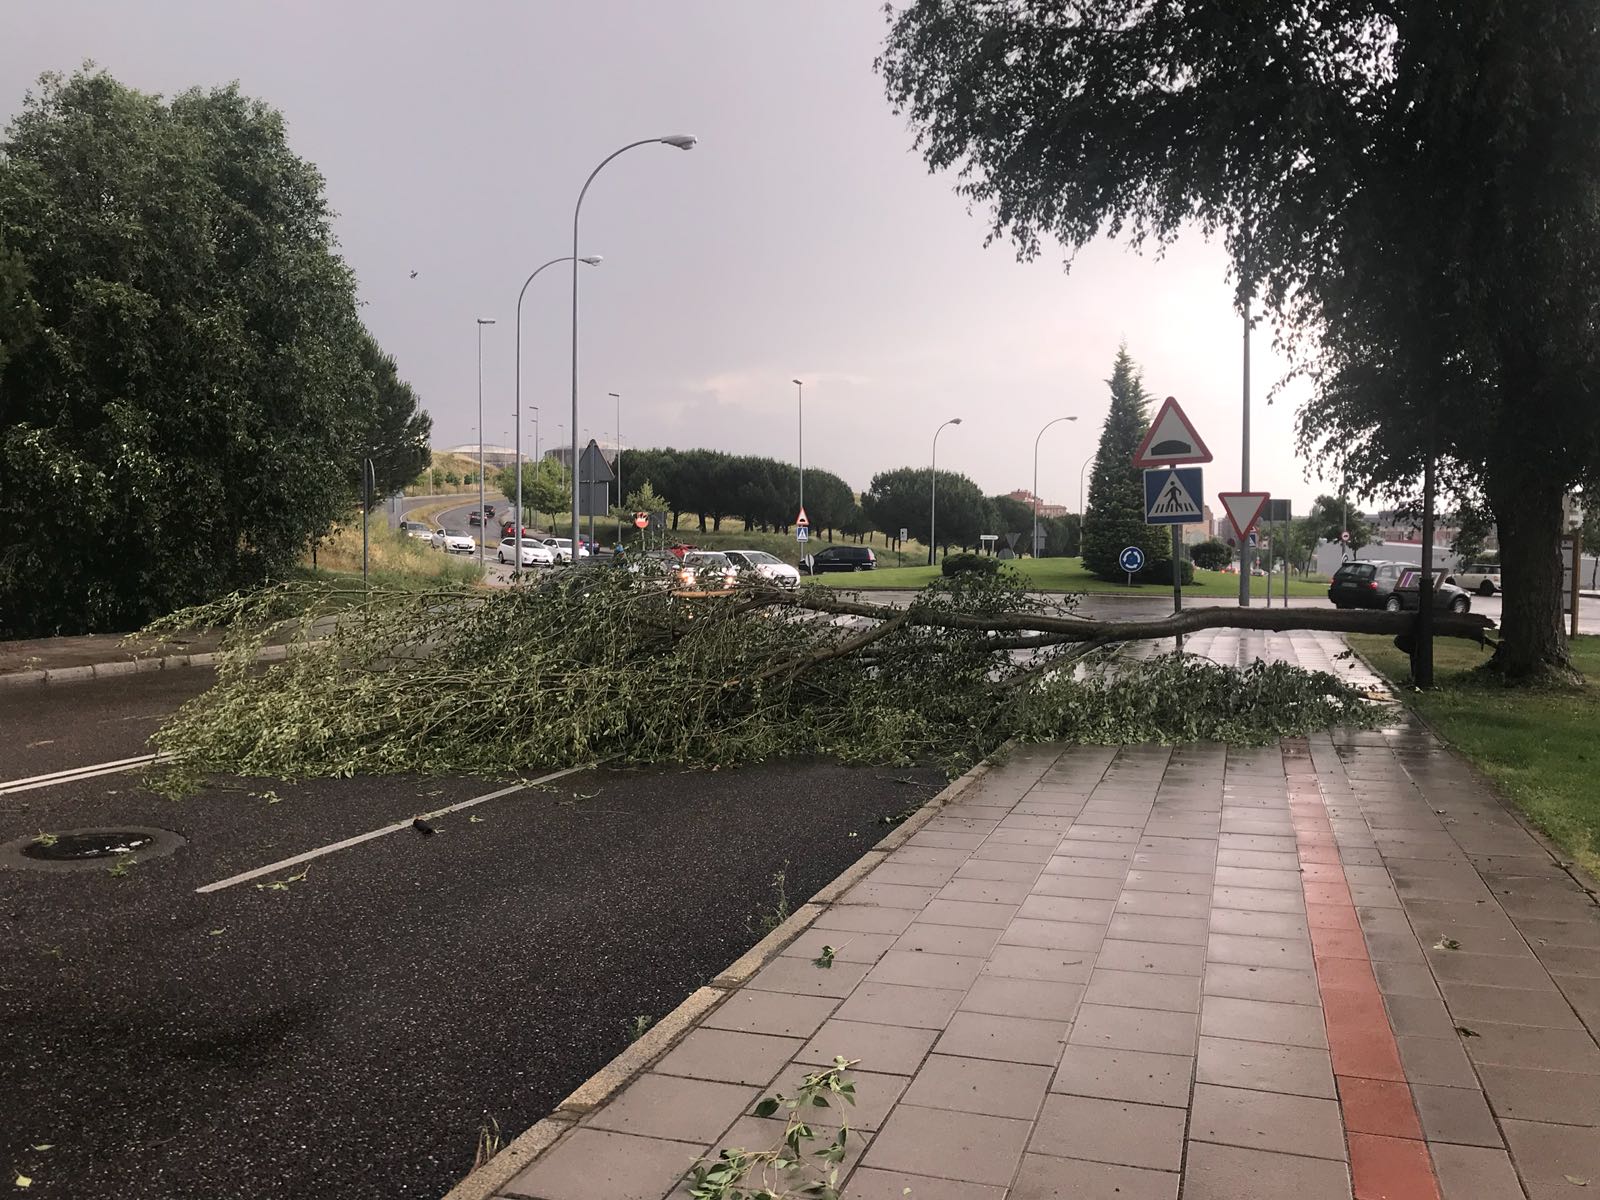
272	868
74	774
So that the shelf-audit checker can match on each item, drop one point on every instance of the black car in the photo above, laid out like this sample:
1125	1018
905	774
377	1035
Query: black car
1366	585
844	558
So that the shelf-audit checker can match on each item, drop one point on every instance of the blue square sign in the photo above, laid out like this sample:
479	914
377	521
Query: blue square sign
1172	496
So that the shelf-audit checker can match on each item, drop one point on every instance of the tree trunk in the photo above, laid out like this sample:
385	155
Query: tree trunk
1533	642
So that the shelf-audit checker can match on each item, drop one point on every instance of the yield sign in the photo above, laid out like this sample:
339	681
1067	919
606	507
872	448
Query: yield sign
1244	509
803	521
1171	440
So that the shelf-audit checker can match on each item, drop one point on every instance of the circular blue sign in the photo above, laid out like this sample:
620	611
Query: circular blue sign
1131	559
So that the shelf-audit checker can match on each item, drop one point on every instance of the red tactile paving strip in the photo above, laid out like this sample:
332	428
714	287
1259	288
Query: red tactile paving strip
1388	1158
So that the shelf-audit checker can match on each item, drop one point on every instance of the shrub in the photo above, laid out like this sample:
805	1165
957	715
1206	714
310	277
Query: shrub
1211	556
1161	572
977	564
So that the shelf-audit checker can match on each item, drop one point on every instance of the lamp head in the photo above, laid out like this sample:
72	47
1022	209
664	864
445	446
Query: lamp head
615	395
955	421
593	260
797	383
683	141
485	320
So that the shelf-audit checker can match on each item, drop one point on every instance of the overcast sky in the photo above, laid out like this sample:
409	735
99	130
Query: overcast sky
802	237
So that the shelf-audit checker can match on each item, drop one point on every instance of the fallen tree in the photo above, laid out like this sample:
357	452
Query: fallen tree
598	664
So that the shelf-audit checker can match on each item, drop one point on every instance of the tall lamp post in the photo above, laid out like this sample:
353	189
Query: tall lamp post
1047	425
617	396
800	424
680	141
592	260
483	522
1083	511
933	496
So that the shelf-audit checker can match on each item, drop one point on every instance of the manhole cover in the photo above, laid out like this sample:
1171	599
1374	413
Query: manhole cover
78	849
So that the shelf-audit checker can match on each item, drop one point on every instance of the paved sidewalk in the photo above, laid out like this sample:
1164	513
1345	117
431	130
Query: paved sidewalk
1327	968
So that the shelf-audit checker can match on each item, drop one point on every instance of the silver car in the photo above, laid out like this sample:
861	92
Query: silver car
455	541
769	567
534	554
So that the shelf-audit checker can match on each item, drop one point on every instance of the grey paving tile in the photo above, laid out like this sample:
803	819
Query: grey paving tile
685	1110
1258	924
1034	962
1134	1029
847	947
876	1094
974	1085
1435	1060
1570	960
1089	887
1422	1016
1457	1115
860	918
1012	1039
1258	900
1053	935
1144	989
1110	1131
802	977
1183	882
1266	1067
1164	904
1404	979
1137	1076
1235	1173
1067	908
947	939
729	1056
950	1145
889	1049
1267	1121
1473	1173
771	1012
1114	855
999	851
897	1004
1285	1024
870	1183
1259	951
1044	999
1190	863
888	895
1560	1098
1162	958
593	1164
1546	1154
921	969
987	868
1185	931
987	891
1533	1047
967	912
756	1133
912	874
1046	1178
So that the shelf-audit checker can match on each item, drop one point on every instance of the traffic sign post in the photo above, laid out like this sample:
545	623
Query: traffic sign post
1172	490
1172	440
1131	560
1172	496
801	533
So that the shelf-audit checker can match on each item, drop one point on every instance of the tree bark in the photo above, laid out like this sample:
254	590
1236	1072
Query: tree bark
1533	643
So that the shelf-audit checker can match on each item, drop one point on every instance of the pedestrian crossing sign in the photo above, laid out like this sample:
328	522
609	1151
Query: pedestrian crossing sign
1172	496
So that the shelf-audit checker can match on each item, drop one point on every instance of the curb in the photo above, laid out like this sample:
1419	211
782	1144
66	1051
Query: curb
128	666
526	1147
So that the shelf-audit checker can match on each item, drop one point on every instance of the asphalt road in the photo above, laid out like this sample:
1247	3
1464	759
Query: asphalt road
345	1035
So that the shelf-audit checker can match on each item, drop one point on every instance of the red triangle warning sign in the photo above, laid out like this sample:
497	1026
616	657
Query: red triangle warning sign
1171	440
802	520
1244	510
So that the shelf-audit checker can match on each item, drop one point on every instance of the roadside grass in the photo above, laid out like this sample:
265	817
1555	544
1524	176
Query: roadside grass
1068	575
394	559
1538	744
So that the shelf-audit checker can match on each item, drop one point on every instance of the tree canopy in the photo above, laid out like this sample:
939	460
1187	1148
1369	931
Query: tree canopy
1115	516
764	493
186	390
903	498
1412	188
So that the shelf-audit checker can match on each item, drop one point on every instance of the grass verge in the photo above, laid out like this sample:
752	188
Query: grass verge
1538	744
393	559
1068	575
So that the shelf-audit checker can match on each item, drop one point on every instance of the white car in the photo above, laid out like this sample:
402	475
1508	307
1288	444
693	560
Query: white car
770	567
534	554
416	529
1483	578
562	549
455	541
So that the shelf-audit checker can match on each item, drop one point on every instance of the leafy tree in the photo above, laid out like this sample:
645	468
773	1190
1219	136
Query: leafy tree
184	399
1062	535
546	487
397	431
829	501
1116	487
1474	524
1013	516
1330	515
857	524
1211	555
901	499
1410	188
645	499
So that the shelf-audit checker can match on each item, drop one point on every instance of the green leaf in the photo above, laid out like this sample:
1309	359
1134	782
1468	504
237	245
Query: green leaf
767	1107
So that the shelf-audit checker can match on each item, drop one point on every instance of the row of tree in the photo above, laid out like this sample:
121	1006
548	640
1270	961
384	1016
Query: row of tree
187	392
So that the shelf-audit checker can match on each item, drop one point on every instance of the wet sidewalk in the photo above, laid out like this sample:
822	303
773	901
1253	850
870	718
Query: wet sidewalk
1327	968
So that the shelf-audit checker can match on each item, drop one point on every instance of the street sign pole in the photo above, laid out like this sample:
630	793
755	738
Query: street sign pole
1177	576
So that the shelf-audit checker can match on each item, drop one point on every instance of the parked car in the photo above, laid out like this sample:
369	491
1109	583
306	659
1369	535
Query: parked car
534	554
417	529
844	558
562	548
1445	595
1483	578
707	570
455	541
1363	584
769	567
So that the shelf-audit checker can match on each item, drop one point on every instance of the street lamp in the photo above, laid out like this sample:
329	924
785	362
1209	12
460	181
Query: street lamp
800	411
592	260
617	396
1083	512
933	496
483	523
679	141
1047	425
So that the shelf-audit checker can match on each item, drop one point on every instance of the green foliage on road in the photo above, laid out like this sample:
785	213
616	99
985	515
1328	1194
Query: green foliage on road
1069	575
186	387
1538	744
1115	516
585	665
